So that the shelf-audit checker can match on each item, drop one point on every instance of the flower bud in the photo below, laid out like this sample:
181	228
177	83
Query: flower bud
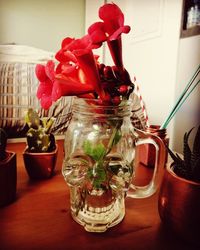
123	89
108	72
116	100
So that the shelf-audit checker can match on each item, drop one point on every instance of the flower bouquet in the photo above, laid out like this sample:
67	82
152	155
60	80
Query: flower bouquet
79	73
100	140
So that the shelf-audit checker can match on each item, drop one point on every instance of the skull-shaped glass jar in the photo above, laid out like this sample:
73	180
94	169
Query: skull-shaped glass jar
100	145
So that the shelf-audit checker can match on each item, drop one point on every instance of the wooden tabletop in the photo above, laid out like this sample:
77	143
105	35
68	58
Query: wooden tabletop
40	219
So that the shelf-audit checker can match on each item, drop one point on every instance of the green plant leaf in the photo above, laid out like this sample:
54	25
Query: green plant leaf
48	125
97	152
37	140
196	147
32	119
87	147
97	175
187	151
196	170
189	167
177	160
180	170
117	137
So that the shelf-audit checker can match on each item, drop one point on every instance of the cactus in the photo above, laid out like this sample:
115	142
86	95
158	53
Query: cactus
39	137
189	166
3	143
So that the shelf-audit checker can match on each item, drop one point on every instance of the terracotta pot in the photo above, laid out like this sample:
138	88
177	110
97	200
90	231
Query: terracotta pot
8	179
40	165
179	205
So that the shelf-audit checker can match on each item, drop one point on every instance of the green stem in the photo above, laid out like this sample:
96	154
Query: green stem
108	149
179	102
110	143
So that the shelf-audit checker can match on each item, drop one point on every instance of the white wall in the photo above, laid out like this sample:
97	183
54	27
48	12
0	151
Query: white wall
151	51
189	114
41	23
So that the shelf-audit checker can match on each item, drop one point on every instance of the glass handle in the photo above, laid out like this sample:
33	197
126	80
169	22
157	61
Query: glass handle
148	190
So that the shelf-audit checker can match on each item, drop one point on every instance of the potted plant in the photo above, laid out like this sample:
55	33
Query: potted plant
41	152
179	197
8	172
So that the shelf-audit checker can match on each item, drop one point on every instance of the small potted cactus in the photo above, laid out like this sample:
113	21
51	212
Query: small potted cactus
41	152
8	172
179	198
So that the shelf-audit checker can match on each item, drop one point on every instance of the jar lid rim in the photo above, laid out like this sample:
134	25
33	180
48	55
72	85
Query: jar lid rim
95	102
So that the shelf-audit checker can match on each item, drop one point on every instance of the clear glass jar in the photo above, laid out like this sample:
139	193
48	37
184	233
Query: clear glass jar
99	163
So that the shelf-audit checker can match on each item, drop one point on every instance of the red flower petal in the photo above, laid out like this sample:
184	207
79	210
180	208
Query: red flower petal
60	56
89	67
110	12
49	69
40	72
66	87
66	42
117	33
65	56
68	69
44	88
87	96
46	102
56	91
40	91
97	33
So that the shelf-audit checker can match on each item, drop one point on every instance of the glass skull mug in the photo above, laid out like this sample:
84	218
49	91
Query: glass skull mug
100	147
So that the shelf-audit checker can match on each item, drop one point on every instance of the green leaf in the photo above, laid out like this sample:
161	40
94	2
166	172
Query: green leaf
87	147
117	137
187	150
196	170
189	167
97	152
48	125
196	147
174	157
32	119
97	175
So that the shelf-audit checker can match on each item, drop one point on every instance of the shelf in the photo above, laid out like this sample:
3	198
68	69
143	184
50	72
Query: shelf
193	31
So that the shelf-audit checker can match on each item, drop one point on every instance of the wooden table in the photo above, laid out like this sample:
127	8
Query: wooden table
40	219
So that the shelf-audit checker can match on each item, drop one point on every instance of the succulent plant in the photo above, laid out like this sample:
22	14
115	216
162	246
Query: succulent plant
189	166
3	143
39	137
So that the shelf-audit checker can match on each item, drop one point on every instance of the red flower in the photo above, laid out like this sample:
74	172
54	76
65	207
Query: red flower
46	76
112	26
114	20
64	86
110	30
53	86
78	72
97	33
76	56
